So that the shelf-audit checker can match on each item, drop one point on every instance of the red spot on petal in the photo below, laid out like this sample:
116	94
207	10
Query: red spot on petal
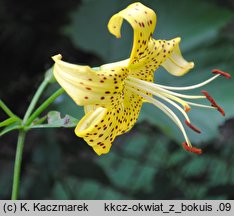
225	74
191	149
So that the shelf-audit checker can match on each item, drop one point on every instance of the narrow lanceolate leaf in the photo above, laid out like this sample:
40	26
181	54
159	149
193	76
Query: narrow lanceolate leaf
9	128
4	107
8	121
55	120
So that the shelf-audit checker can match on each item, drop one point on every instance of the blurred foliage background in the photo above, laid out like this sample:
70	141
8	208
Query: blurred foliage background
147	162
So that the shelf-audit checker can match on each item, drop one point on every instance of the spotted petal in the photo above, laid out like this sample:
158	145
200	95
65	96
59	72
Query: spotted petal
100	126
147	53
164	53
112	95
87	86
110	108
143	21
174	62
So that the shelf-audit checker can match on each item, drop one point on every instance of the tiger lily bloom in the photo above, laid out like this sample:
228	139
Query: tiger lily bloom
113	94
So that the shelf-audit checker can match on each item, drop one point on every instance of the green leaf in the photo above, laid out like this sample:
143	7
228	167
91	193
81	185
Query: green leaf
220	173
10	127
134	166
55	120
93	36
195	167
71	188
4	107
8	121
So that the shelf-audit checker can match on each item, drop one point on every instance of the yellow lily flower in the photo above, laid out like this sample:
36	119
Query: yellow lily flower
113	94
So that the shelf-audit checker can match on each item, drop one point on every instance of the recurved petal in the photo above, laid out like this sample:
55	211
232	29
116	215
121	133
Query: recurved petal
164	53
89	87
175	63
95	129
100	126
143	21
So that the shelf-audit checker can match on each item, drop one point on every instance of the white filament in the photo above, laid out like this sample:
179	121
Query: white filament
165	109
155	87
188	87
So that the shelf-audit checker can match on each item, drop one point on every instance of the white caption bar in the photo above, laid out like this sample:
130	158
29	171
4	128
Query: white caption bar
120	207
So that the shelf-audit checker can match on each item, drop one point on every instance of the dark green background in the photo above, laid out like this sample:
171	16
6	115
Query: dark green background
146	163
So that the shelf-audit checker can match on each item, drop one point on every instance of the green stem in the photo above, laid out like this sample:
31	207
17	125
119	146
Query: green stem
35	99
17	167
28	118
21	137
41	108
6	109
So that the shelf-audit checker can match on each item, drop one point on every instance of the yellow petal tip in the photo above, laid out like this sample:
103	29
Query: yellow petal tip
178	39
191	65
57	57
114	25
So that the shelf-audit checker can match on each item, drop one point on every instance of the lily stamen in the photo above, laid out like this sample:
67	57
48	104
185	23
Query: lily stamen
177	99
165	109
222	73
200	105
213	103
157	92
162	89
220	109
215	71
162	92
191	149
192	126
